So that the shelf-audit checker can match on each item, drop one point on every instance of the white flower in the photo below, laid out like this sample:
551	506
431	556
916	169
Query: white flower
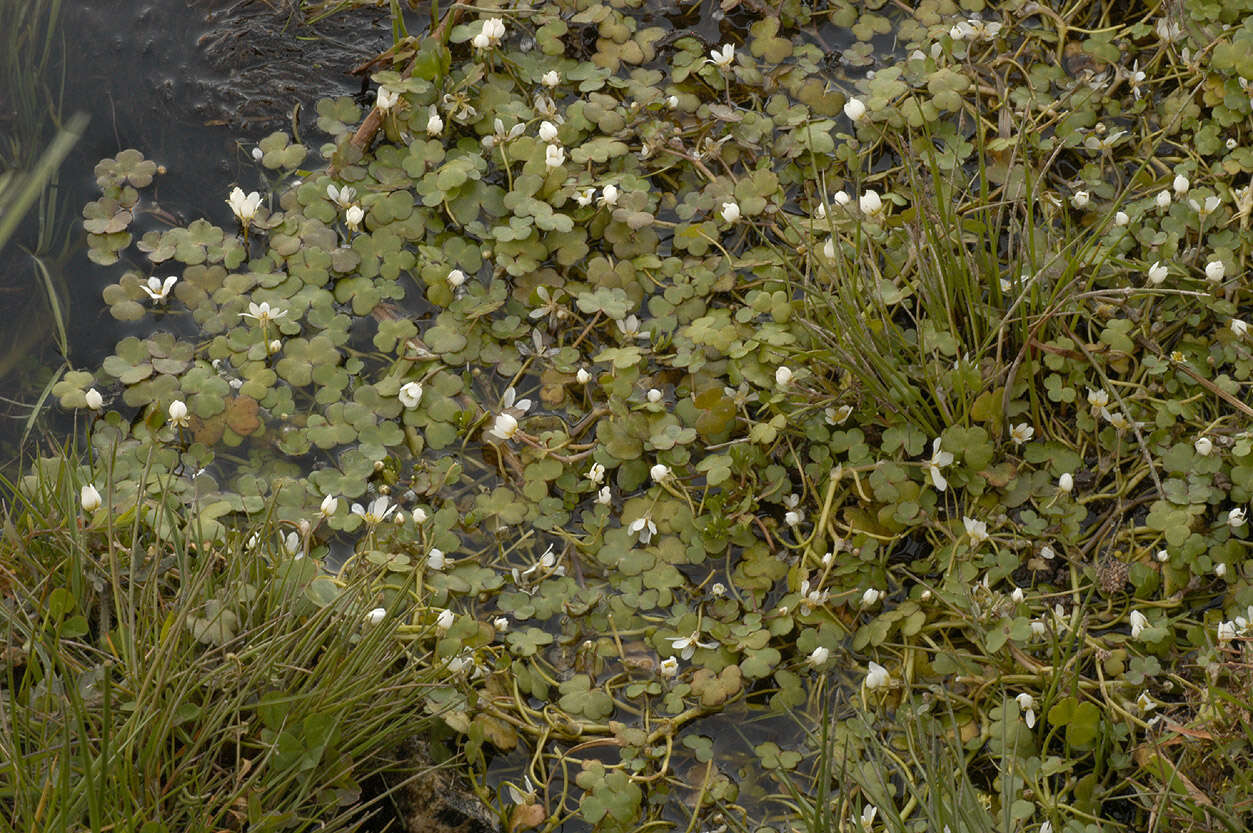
509	401
178	413
596	473
377	512
977	530
419	516
1066	482
504	427
1239	327
828	249
554	156
837	416
604	496
89	498
434	123
1215	271
1203	446
262	313
871	597
445	619
1046	827
1226	632
292	544
490	36
687	645
1163	556
501	624
330	505
1163	199
1080	199
1021	433
869	202
386	99
585	196
94	400
1181	184
730	212
1038	628
547	132
672	102
782	375
877	676
669	667
609	196
818	656
410	394
582	377
342	197
939	459
1220	569
551	78
1027	704
353	217
435	559
244	207
1157	273
1121	218
1138	623
257	154
1046	552
1018	595
375	616
717	590
1236	517
159	290
1097	400
456	278
842	198
644	529
659	472
654	395
793	517
723	57
854	109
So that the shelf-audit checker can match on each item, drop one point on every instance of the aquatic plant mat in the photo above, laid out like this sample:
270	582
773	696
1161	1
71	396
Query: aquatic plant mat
781	416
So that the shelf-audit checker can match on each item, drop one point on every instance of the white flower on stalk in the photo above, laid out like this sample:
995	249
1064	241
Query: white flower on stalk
730	212
1026	703
1220	569
1046	552
257	154
1163	556
1121	218
410	394
1239	327
1203	446
841	198
793	517
609	195
1236	517
630	327
505	426
596	473
871	597
435	559
353	217
939	459
178	413
877	676
292	544
1018	596
554	156
854	109
1135	77
419	516
659	472
604	496
89	498
456	278
1209	206
157	290
643	528
870	203
828	249
263	313
1157	273
1138	623
977	530
818	656
547	132
687	645
1080	199
1226	632
490	36
373	617
1215	271
551	78
1181	184
342	197
837	416
445	619
1163	199
722	58
669	667
244	207
868	812
434	122
501	624
1066	482
93	398
386	99
1038	628
330	505
782	375
582	377
376	512
1021	433
585	197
